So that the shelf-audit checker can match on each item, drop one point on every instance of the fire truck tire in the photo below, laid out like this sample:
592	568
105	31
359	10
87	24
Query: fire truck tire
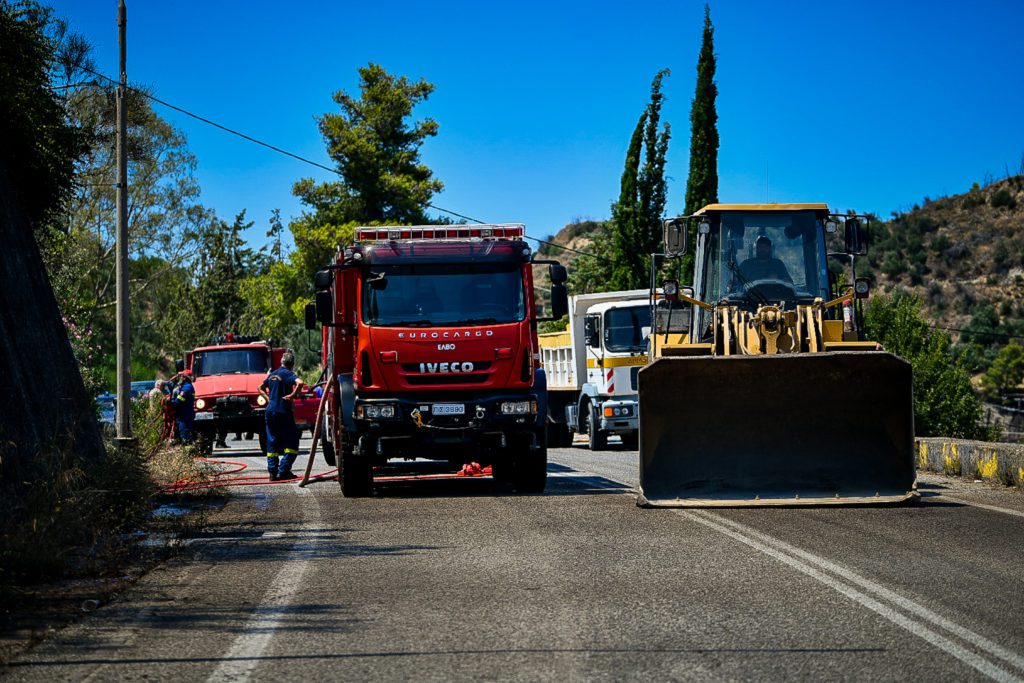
559	435
263	441
530	471
204	443
328	450
354	473
631	440
596	439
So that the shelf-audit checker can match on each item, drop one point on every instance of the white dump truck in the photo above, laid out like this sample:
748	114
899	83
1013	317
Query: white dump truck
592	368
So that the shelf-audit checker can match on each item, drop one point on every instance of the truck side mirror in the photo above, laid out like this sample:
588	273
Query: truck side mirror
558	275
856	237
591	331
310	314
324	306
675	236
322	279
559	299
179	365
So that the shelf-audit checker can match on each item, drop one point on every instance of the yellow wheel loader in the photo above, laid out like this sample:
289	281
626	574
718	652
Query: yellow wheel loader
760	389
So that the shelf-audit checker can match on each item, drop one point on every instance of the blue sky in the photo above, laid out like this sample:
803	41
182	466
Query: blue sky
865	105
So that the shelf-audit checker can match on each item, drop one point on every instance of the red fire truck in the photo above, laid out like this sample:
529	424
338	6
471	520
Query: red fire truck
430	338
228	373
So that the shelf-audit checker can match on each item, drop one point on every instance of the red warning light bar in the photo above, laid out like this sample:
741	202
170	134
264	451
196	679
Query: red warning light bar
445	232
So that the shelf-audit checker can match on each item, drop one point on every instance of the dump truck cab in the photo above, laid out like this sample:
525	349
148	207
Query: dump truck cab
592	368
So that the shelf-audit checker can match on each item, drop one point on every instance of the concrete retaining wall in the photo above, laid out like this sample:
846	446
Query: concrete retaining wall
998	463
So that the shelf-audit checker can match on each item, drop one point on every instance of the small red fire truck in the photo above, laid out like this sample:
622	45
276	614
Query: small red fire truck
228	373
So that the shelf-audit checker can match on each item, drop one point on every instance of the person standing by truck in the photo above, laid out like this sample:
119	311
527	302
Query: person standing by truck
279	389
184	401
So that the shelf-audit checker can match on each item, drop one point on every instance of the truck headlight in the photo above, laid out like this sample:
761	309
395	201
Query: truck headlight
200	403
517	407
386	411
261	400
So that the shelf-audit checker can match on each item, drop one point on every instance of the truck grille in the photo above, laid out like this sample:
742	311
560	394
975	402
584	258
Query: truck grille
434	380
227	406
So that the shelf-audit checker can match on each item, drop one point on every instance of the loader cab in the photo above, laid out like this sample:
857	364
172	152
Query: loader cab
761	254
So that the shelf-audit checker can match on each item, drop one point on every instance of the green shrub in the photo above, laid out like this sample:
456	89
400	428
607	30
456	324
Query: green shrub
1001	198
944	404
974	199
1005	373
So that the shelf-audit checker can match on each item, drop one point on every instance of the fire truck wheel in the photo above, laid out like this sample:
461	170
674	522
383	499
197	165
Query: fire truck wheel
631	440
263	442
354	473
559	435
596	439
530	471
204	443
328	450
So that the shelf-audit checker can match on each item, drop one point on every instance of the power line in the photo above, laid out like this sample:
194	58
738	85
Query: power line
305	160
991	333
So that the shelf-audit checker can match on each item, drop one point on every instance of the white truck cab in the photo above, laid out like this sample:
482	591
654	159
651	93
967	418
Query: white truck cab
592	368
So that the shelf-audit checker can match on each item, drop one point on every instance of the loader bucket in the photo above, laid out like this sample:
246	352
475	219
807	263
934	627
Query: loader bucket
822	428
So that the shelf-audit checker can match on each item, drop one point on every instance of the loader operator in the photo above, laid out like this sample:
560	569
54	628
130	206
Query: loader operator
280	388
764	266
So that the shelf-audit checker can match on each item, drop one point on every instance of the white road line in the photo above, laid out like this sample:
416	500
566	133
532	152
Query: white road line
909	605
242	658
738	532
993	508
916	628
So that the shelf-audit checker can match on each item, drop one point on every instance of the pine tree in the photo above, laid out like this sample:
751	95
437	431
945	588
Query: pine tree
702	182
636	217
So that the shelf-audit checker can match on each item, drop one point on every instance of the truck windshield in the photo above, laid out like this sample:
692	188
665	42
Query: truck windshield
230	361
623	328
444	294
765	256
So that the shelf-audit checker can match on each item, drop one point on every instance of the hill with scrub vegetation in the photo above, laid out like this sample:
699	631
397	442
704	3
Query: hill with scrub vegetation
963	256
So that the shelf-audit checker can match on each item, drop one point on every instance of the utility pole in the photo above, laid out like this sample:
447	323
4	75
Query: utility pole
124	377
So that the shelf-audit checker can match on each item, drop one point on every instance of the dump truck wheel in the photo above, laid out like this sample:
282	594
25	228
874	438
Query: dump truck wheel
354	473
596	439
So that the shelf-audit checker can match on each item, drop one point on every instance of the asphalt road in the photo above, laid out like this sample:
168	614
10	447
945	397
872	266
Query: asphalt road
450	581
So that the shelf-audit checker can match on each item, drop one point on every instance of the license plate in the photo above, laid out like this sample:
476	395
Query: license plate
204	416
449	409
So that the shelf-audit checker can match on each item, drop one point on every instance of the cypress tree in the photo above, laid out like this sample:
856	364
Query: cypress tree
702	182
636	217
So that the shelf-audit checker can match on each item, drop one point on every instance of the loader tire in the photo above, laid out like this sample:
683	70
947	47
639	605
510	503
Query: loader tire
355	475
596	439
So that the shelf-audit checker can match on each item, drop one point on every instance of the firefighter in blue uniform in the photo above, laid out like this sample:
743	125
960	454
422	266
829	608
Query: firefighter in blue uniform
184	401
280	388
